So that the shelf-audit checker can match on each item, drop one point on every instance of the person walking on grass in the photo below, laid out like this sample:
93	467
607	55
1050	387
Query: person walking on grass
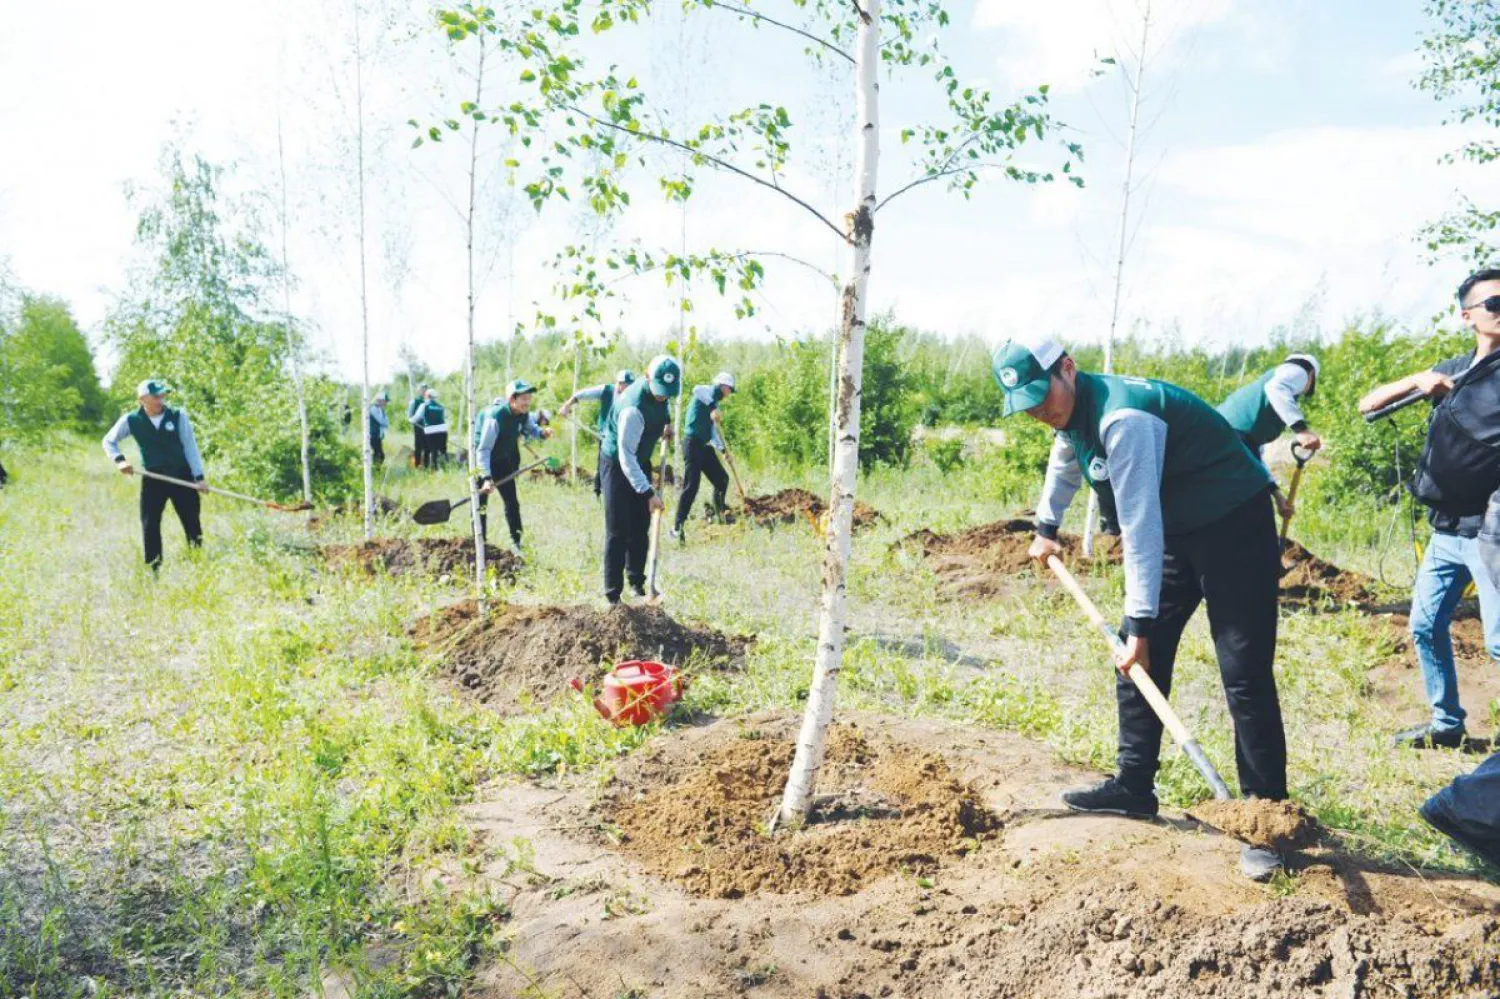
377	423
431	421
500	429
1452	558
165	438
639	418
702	437
605	395
1261	410
1196	522
416	430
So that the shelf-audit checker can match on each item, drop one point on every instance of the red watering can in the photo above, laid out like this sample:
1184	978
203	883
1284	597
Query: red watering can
636	692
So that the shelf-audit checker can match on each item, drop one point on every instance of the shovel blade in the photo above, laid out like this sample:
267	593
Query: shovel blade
434	512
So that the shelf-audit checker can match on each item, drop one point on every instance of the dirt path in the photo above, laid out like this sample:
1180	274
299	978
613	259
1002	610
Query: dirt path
1055	905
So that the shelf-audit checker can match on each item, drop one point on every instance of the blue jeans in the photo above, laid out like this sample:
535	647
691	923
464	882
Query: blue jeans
1450	564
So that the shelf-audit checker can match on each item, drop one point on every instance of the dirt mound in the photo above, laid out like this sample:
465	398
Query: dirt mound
516	651
1281	825
980	561
437	556
793	505
700	818
1311	582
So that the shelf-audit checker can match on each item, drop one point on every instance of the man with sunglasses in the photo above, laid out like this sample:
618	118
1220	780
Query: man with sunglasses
1452	558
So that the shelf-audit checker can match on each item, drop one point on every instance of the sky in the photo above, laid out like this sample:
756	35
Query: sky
1284	167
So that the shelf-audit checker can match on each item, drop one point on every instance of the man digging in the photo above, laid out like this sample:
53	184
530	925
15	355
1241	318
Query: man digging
416	429
500	430
431	421
639	418
605	396
1197	525
702	437
1261	410
165	437
1452	558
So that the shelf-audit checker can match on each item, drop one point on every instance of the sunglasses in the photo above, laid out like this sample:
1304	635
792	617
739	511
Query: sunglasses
1490	305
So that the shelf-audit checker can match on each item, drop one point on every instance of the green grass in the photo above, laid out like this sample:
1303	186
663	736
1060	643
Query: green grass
238	776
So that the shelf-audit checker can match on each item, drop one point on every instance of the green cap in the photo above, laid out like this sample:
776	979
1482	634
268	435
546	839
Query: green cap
519	387
625	375
1020	369
152	386
666	376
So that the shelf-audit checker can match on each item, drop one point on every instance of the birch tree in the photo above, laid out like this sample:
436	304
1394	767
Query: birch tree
293	342
566	115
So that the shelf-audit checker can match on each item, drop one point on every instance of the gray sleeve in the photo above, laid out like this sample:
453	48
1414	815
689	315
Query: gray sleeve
190	446
594	393
1137	446
1062	483
531	428
1286	383
487	437
117	433
416	416
632	425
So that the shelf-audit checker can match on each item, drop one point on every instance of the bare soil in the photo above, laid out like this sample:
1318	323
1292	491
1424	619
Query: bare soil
791	506
980	562
519	654
432	556
1282	825
1052	904
1308	581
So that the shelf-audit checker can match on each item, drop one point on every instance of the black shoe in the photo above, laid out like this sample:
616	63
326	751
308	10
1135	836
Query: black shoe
1110	796
1427	737
1436	816
639	591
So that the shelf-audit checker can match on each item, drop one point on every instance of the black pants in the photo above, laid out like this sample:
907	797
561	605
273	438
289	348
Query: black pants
627	531
418	449
4	475
434	450
377	449
701	459
154	497
598	468
1233	565
507	491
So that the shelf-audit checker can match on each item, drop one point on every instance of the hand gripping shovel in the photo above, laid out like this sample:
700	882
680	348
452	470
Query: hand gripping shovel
282	507
1302	458
438	511
1144	683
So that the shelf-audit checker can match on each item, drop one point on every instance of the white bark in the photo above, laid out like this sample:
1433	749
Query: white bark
473	448
573	440
809	758
364	292
294	348
1123	241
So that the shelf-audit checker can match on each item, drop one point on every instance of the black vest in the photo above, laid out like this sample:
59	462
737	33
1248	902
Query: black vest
1460	466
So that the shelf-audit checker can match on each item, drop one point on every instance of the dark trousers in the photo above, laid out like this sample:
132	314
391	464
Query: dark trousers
433	450
507	491
598	469
701	459
418	449
4	475
154	497
627	531
1233	565
377	449
1472	802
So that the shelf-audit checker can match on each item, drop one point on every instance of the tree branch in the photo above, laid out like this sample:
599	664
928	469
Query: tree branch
757	15
709	157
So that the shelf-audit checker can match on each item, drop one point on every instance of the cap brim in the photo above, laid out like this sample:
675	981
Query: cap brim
1024	397
666	389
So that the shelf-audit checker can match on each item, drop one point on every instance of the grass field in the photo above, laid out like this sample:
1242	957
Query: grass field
234	776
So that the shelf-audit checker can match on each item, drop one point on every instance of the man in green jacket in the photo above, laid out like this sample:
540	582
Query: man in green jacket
701	439
1261	410
165	437
416	431
500	429
638	419
1195	519
605	396
431	421
377	422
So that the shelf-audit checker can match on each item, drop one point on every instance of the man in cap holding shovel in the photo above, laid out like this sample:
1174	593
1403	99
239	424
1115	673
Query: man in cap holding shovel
1196	522
701	438
500	429
165	437
1261	410
605	395
639	418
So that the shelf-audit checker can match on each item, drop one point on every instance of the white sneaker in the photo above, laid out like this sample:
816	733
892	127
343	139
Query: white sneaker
515	549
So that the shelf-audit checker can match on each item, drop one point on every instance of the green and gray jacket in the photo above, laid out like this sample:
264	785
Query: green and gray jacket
605	395
166	442
1261	410
699	424
1163	462
500	431
637	420
429	414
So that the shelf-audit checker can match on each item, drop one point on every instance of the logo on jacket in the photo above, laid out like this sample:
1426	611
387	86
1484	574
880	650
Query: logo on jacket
1099	470
1008	377
168	426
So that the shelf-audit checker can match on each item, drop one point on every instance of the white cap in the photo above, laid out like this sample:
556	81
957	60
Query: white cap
725	379
1311	361
1045	349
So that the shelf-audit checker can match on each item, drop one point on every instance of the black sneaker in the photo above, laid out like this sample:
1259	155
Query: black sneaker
1427	737
1436	816
1110	796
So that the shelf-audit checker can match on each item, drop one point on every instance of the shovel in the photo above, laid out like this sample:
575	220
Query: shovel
585	427
1144	683
736	473
282	507
654	595
1302	458
438	511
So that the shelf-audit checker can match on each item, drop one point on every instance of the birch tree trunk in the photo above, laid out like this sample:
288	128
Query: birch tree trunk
1123	242
861	226
573	434
473	448
294	348
364	293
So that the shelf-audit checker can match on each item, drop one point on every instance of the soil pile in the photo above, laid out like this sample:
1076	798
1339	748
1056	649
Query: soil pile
1279	825
980	561
516	652
435	556
793	505
1311	582
700	818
